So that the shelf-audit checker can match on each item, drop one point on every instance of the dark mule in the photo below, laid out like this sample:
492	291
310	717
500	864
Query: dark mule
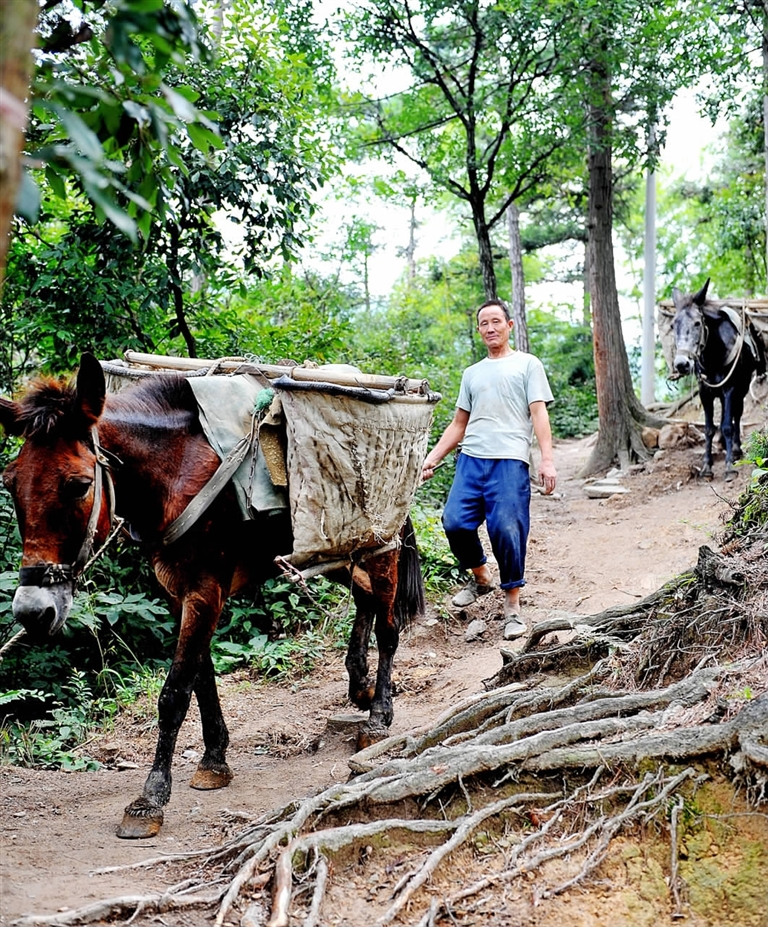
724	351
144	450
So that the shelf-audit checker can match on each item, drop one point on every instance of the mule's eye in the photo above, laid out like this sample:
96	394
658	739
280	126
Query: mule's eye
77	487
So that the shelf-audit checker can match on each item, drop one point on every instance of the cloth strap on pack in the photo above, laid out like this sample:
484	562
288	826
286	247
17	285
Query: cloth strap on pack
208	493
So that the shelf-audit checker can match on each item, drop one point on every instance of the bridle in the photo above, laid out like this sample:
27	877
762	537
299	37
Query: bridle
50	574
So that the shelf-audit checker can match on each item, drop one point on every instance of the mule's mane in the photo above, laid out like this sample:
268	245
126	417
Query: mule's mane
46	407
155	397
49	407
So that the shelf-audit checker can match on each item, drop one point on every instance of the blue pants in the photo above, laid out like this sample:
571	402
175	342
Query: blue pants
497	492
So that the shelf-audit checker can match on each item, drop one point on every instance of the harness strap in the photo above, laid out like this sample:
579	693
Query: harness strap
46	574
208	493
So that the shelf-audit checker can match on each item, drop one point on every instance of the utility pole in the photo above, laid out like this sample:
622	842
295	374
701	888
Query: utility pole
648	350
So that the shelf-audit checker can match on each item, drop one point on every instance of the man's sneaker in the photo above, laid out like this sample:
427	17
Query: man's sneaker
470	593
515	627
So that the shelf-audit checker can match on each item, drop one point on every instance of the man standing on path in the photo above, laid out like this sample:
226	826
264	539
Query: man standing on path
502	403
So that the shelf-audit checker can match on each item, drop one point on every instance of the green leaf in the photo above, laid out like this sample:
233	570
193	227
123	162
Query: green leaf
181	106
86	141
116	216
139	113
28	198
56	182
204	139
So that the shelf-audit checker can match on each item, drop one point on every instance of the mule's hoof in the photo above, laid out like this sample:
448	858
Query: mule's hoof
212	777
141	819
362	696
730	474
369	734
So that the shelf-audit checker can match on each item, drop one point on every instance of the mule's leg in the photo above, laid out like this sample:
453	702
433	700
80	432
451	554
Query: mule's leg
212	770
707	404
382	571
727	430
361	690
200	612
737	410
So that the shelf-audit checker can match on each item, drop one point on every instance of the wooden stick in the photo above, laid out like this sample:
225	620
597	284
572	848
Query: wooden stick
307	374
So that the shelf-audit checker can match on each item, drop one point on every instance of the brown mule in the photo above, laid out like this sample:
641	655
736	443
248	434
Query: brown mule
141	454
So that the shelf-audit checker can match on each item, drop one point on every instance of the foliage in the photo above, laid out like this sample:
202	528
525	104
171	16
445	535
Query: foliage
716	228
149	105
284	632
565	348
438	565
483	117
52	742
751	511
283	316
105	114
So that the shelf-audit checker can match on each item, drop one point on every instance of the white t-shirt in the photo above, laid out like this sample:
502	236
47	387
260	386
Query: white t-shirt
497	393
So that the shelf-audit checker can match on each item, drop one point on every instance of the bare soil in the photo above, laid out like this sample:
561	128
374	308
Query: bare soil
57	830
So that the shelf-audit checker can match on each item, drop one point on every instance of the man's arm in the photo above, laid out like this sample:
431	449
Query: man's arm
450	438
543	432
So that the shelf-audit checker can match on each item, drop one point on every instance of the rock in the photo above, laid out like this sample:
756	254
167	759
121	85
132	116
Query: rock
603	489
475	629
679	435
650	436
343	722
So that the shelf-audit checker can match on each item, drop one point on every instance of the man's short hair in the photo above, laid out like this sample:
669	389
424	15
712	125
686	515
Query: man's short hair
494	302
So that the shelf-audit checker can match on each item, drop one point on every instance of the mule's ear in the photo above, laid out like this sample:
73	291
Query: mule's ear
10	417
677	297
91	389
701	297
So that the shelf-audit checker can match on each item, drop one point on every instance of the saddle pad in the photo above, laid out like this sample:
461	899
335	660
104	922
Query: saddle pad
226	407
749	338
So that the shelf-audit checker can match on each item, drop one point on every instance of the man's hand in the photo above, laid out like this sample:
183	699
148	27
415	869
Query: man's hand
547	476
428	470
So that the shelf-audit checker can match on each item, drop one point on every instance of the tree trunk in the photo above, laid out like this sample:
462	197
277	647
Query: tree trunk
17	38
410	251
765	123
177	292
587	304
518	280
620	413
484	248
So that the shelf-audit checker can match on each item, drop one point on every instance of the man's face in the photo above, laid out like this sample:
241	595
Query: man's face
494	327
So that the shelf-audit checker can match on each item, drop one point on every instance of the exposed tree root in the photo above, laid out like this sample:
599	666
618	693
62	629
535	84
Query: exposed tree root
133	905
559	772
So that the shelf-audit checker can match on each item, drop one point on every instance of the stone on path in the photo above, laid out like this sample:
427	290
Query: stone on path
475	629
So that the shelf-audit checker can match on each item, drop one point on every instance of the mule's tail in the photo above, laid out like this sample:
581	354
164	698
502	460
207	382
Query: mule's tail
760	365
410	600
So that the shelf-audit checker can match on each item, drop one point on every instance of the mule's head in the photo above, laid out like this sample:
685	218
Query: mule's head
688	327
55	489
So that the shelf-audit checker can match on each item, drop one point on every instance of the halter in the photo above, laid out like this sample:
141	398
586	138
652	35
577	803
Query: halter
50	574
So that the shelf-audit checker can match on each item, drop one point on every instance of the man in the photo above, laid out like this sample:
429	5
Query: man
502	403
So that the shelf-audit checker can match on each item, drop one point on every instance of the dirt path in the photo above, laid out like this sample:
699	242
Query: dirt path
57	829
